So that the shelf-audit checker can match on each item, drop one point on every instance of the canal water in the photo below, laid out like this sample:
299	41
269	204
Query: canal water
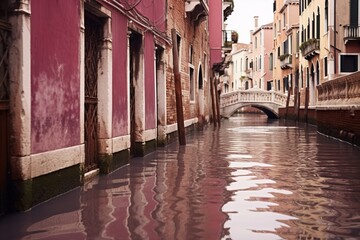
251	179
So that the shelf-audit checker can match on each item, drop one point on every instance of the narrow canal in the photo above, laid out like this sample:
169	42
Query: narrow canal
252	179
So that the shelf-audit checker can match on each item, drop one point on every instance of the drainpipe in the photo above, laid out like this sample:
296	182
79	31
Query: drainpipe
335	35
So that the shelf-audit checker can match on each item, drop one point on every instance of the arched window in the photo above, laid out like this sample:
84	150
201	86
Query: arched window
302	34
318	24
317	73
326	15
313	27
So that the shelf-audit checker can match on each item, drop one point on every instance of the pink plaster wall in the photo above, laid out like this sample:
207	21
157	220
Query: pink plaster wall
215	30
55	84
153	11
150	122
120	86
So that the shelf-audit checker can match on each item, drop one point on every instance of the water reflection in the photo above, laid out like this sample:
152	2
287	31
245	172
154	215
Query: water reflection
252	179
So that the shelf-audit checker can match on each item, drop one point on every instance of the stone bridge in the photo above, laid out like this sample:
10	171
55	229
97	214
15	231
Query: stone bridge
267	101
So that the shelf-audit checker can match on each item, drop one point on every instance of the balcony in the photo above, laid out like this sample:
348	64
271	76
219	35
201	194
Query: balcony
310	48
229	37
351	33
285	61
197	9
228	6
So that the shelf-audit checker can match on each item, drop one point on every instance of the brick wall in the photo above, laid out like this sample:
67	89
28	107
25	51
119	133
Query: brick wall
194	34
342	124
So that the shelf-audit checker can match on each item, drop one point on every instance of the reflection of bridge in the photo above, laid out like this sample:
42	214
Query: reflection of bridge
267	101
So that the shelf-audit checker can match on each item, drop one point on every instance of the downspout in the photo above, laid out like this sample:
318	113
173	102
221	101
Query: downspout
335	36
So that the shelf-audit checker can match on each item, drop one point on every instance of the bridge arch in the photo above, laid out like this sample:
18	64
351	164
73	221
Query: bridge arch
267	101
268	110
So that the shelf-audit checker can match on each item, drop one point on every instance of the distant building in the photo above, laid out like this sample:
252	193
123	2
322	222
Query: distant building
286	45
261	55
236	73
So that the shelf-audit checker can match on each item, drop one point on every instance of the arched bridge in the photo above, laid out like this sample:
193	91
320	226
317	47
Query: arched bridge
267	101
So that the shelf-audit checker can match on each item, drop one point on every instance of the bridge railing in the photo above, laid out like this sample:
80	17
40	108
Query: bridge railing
252	96
343	91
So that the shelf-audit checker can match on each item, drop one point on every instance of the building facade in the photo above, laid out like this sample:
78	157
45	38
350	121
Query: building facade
261	54
286	46
92	86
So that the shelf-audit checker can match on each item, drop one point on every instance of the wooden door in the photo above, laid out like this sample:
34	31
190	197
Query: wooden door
5	31
93	43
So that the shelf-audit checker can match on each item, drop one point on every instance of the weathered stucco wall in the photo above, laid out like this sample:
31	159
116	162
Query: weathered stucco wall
150	118
55	82
120	85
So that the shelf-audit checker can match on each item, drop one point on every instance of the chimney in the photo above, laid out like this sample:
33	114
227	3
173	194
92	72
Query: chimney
256	21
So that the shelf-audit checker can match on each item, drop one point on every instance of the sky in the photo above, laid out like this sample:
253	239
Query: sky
242	18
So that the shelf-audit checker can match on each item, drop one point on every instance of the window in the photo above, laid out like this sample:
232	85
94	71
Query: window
297	41
205	66
191	54
260	62
307	77
290	44
318	24
255	42
278	52
349	63
286	47
279	85
274	30
284	19
313	26
326	15
192	85
179	49
354	13
271	64
302	78
279	26
325	66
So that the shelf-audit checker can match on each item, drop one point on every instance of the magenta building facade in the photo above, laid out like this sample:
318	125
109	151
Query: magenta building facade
92	86
84	93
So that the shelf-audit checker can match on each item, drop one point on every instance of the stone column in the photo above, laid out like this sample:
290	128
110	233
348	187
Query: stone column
105	97
20	101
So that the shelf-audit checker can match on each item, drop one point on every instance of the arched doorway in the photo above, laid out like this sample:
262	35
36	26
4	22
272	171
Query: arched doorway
312	86
201	97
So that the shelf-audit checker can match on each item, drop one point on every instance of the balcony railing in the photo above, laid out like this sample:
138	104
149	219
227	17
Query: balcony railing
285	61
310	48
197	9
341	92
351	33
229	37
